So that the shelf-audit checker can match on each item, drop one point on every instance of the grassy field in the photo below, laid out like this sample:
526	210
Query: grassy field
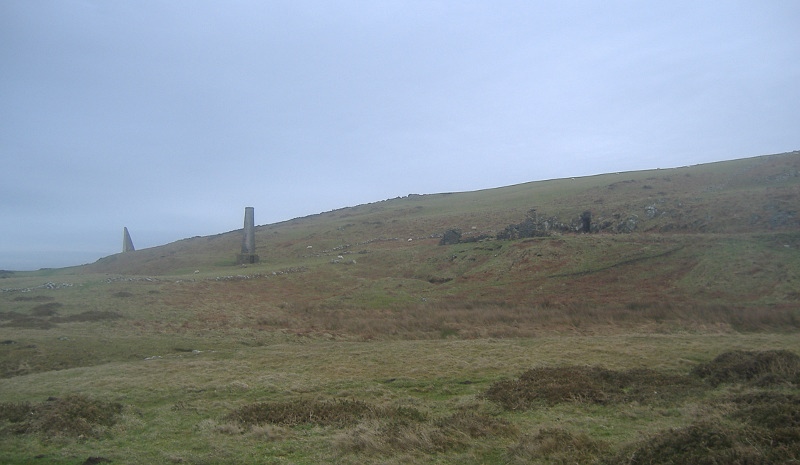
402	401
360	339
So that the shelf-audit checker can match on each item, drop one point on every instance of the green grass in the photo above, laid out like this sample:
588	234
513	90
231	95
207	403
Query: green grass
682	335
410	398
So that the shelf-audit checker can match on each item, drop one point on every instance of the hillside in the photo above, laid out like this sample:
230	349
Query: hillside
476	327
721	235
754	195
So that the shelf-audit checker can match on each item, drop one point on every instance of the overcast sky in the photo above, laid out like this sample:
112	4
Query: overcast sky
170	117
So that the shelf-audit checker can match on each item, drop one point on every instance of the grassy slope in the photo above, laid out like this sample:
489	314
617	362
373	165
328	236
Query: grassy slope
739	196
410	323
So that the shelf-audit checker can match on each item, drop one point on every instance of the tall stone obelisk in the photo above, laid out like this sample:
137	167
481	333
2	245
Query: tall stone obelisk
248	254
127	243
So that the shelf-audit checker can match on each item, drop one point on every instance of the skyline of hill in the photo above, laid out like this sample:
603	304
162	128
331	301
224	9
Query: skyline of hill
738	196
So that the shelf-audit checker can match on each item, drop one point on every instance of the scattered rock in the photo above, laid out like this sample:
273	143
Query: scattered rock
450	237
629	225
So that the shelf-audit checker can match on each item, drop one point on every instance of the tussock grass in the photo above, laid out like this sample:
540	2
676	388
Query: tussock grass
389	435
761	368
594	385
756	428
72	415
48	309
768	409
477	425
46	317
33	298
88	316
557	445
18	320
335	412
702	443
398	401
386	439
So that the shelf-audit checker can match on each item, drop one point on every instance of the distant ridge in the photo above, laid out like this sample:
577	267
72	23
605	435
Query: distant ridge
743	196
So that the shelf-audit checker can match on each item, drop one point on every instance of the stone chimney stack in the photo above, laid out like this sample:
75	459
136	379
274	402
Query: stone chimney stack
249	238
248	254
127	243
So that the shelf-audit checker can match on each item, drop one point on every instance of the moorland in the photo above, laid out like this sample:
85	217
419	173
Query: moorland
637	317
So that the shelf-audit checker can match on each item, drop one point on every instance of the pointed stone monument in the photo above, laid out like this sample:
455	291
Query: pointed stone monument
127	243
248	254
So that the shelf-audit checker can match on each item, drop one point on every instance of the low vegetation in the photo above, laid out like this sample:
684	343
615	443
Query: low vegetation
595	385
632	318
73	415
336	412
759	426
778	367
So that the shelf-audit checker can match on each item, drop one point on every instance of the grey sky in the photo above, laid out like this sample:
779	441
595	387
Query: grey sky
169	117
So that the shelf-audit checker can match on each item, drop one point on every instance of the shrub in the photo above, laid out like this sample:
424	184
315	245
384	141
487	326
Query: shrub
553	385
72	415
759	428
761	368
704	443
48	309
337	412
